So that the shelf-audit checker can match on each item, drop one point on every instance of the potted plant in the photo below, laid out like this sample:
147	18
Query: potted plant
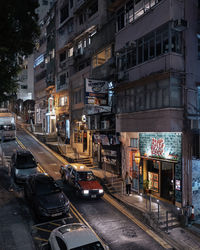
146	186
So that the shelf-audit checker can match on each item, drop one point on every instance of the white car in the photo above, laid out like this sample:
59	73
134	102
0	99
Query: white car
75	236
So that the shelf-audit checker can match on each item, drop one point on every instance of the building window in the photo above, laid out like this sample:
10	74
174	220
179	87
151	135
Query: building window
70	26
158	42
70	52
129	12
198	46
71	3
155	95
92	9
133	10
120	19
24	86
134	142
62	56
63	101
62	79
64	13
101	57
77	97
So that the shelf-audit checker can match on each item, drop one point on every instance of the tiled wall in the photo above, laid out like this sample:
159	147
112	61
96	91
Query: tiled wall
173	145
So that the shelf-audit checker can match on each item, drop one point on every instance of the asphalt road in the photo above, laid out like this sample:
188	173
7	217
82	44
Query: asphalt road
112	226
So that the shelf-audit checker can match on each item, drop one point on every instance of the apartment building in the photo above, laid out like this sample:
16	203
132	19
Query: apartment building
80	49
157	55
43	70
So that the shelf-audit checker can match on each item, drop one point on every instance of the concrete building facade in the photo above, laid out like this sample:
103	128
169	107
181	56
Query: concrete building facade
156	47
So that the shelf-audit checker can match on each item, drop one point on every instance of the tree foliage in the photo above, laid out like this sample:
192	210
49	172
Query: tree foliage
19	30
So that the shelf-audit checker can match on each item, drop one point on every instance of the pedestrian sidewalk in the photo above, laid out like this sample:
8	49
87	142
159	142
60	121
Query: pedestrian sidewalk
180	237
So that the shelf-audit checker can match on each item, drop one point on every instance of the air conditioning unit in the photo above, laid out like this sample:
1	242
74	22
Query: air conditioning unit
180	25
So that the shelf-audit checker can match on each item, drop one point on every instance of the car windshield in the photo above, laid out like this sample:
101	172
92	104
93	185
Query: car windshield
25	161
46	188
86	176
92	246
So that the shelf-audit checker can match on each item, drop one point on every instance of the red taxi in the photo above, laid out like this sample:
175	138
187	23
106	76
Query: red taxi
82	179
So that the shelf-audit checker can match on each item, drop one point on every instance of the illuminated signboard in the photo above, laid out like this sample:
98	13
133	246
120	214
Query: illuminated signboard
160	145
157	147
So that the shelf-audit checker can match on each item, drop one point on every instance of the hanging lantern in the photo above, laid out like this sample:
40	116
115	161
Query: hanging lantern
137	157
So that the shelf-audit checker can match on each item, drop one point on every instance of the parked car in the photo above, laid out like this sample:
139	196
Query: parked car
82	179
45	196
75	236
23	164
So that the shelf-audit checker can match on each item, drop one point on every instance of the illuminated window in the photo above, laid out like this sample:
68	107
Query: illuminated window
63	101
70	52
101	57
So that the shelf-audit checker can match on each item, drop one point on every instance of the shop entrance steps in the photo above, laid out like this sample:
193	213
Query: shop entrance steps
84	160
166	219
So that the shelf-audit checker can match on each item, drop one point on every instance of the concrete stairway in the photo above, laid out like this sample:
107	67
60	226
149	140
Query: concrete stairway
166	220
113	184
84	160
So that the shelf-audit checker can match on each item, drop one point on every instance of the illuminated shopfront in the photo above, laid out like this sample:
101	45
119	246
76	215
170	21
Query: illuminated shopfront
160	164
51	117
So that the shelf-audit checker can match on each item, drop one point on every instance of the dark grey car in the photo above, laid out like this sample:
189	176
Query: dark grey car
23	164
45	196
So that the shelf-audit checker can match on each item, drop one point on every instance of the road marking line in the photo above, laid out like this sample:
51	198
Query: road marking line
40	239
55	224
111	201
42	229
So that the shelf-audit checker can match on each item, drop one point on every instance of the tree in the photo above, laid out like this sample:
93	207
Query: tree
18	33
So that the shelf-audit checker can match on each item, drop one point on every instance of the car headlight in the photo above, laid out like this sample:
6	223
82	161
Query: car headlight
100	191
85	192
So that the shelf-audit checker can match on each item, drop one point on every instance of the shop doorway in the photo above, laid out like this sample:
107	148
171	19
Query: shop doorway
167	181
84	141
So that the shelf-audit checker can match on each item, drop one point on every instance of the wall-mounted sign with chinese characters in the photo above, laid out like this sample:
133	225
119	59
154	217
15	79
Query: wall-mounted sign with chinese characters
157	147
161	145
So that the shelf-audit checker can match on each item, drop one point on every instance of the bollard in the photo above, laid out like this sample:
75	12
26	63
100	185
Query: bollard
158	210
167	221
150	203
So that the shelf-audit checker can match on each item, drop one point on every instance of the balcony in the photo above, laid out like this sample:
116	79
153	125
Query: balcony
62	86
